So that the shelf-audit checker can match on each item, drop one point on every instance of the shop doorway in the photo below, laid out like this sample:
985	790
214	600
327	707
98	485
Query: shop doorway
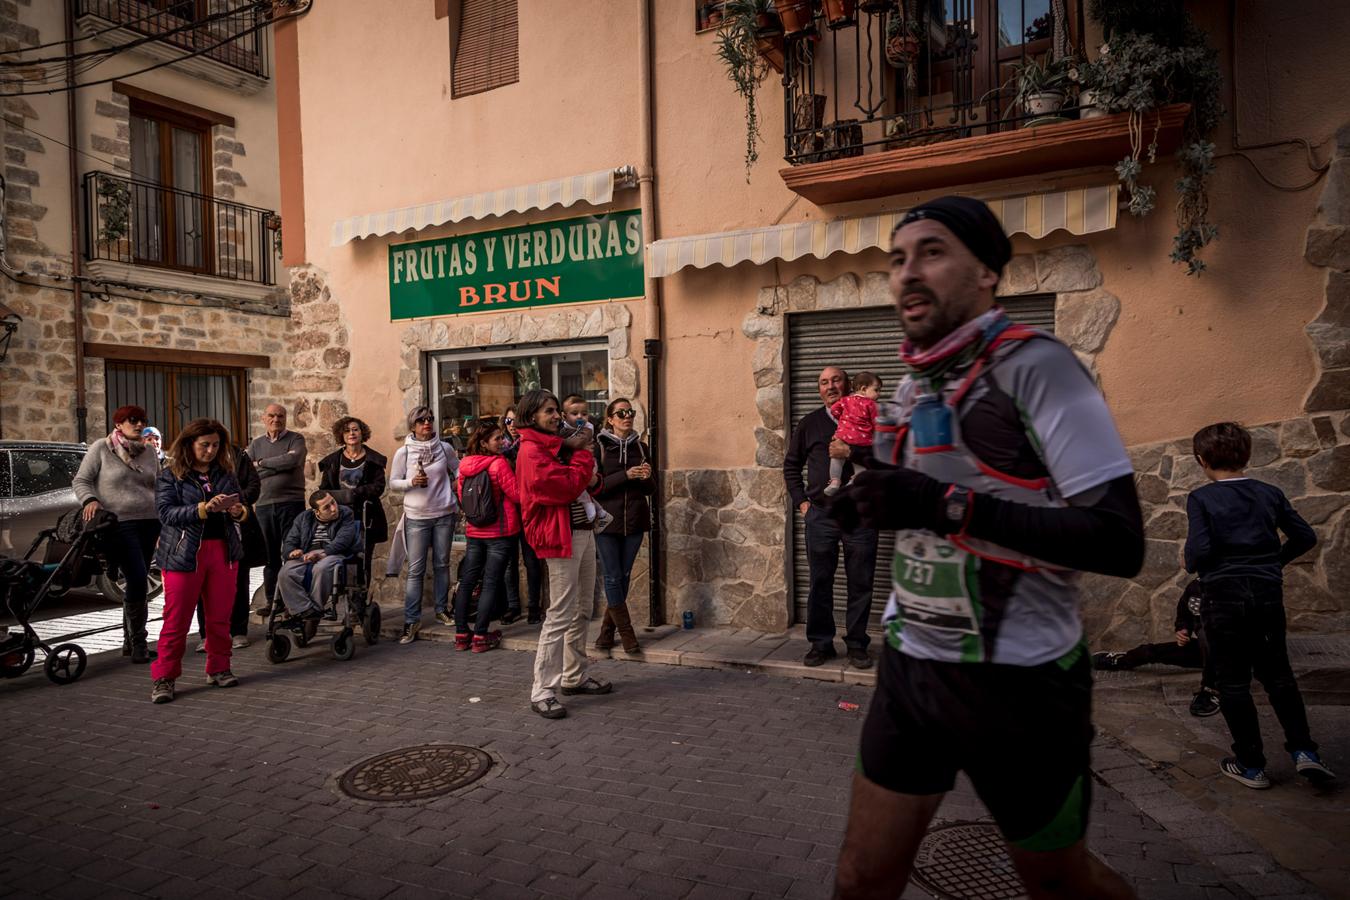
859	340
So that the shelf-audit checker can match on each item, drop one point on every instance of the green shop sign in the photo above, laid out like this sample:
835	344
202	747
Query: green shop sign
570	261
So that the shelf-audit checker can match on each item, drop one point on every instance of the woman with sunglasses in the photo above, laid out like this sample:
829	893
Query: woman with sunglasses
533	570
424	469
118	474
625	484
200	547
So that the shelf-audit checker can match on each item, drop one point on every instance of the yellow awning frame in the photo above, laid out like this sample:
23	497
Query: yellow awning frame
1078	211
596	188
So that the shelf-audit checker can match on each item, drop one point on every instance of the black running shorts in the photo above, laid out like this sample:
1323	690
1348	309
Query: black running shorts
1020	733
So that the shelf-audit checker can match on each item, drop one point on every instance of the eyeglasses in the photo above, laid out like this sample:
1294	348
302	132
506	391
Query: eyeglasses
425	420
507	421
134	420
625	413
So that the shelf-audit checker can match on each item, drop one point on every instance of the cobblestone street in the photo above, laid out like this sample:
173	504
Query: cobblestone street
683	783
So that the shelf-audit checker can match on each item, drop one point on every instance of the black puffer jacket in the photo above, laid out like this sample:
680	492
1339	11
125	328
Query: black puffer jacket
622	497
176	499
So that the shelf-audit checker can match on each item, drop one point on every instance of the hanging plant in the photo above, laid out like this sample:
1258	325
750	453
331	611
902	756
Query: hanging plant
1139	72
114	210
737	48
903	30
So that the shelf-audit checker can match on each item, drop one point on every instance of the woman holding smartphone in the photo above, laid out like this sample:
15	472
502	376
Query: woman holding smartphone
200	546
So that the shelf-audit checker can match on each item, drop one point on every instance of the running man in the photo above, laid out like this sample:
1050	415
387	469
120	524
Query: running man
1014	479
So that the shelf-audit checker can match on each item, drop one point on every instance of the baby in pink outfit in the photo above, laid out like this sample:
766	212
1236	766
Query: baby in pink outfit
856	416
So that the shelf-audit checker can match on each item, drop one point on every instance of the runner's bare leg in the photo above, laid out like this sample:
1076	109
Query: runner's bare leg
884	831
1071	872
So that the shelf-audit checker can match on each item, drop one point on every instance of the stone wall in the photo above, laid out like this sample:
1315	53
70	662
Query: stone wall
1308	459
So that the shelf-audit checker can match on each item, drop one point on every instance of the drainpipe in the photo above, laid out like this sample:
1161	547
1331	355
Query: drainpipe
76	262
651	305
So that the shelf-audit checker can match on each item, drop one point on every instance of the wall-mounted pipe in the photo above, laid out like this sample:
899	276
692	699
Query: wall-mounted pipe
651	306
76	262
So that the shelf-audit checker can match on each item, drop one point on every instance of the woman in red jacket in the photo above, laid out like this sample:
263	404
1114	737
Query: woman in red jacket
551	473
490	543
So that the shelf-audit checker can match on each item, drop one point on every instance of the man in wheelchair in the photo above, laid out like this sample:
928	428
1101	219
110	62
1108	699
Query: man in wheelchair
319	542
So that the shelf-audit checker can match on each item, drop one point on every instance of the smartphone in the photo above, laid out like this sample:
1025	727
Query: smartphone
231	499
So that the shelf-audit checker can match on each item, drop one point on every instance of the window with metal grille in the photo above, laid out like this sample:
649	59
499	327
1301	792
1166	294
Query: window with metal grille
486	48
175	395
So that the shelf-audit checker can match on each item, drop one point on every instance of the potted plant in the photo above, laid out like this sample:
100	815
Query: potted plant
840	13
797	15
1042	85
1147	63
738	47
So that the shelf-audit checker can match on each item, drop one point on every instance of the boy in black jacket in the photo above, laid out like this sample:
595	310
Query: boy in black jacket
1234	545
1189	650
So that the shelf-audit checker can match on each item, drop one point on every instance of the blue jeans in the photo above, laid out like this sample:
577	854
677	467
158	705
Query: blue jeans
617	552
421	535
485	560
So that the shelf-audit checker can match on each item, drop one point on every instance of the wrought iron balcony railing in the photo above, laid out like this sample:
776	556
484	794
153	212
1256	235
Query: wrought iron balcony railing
148	224
232	33
905	73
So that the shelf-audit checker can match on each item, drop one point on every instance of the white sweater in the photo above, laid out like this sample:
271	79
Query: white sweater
438	497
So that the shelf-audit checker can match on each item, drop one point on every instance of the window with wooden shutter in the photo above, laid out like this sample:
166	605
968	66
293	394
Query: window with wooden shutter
486	52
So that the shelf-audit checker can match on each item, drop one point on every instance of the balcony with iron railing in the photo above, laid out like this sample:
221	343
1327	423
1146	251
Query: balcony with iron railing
138	223
897	96
233	34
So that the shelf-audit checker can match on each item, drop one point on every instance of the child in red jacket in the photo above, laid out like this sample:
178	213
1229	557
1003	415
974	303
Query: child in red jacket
856	415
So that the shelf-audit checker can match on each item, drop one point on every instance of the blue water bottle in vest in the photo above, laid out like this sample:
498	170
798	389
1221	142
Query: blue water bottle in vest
931	424
885	433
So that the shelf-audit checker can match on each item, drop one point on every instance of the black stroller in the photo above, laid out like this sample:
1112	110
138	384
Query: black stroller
69	560
351	583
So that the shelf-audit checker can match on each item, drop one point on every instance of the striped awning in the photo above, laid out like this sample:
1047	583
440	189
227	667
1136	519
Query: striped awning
595	188
1078	211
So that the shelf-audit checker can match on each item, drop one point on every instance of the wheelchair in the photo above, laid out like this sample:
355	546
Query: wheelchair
347	609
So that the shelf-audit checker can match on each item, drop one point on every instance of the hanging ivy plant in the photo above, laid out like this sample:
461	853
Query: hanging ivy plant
114	208
745	67
1140	70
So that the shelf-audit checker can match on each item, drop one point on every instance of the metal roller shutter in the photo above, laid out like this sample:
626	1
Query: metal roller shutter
859	340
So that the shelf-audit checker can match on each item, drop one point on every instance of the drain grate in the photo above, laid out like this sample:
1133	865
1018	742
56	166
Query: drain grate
967	861
415	773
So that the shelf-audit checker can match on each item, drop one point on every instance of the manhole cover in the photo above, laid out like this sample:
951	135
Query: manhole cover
415	773
967	861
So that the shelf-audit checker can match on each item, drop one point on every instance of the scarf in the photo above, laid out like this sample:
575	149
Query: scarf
125	448
958	348
428	453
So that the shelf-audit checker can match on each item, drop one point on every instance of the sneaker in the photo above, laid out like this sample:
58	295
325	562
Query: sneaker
817	657
832	488
534	618
162	690
330	613
223	679
512	616
1310	766
858	658
410	630
239	642
589	686
1252	778
200	648
1108	662
463	641
1205	703
549	709
482	643
445	619
141	654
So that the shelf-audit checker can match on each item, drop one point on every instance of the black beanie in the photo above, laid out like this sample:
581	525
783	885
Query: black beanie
973	223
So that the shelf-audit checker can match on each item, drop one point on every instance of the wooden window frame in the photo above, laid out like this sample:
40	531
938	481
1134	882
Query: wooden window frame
238	426
179	118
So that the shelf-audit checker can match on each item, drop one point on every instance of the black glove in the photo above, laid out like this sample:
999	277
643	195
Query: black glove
893	499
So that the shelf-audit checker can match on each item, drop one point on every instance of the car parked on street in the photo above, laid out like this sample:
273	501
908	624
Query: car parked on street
35	490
